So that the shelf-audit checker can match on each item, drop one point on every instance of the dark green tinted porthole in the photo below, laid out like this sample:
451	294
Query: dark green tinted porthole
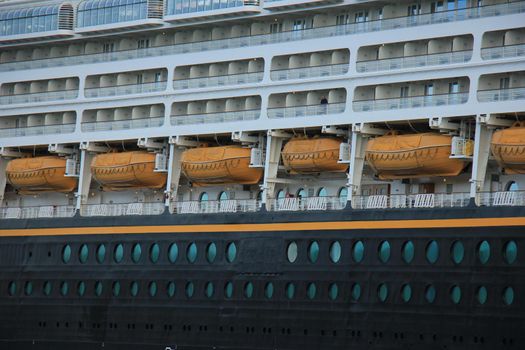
248	290
313	252
508	295
134	289
482	295
406	293
311	291
116	288
382	292
430	293
190	289
47	288
408	252
209	289
154	253
83	253
152	288
64	288
335	252
211	252
191	252
231	252
98	288
291	252
510	252
28	289
358	251
66	253
173	253
170	289
455	294
290	290
333	291
118	253
81	288
228	290
384	251
101	253
484	252
457	252
356	292
12	288
136	253
268	290
432	252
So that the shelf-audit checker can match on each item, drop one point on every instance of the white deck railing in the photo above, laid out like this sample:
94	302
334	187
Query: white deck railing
422	200
410	102
309	72
122	209
306	204
231	79
123	124
44	211
38	130
209	207
507	51
501	198
517	93
305	111
219	117
125	89
39	97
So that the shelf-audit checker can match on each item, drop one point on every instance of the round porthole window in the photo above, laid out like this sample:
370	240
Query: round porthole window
190	289
335	252
98	288
134	289
83	253
231	252
432	252
211	252
430	293
455	294
152	287
191	253
384	252
333	291
66	253
356	292
209	289
28	289
173	253
358	251
291	252
47	288
510	252
228	290
313	252
382	292
154	253
64	288
101	253
248	290
484	252
482	295
81	288
508	295
118	253
290	290
406	293
311	291
408	253
12	288
170	289
268	290
116	288
136	253
457	252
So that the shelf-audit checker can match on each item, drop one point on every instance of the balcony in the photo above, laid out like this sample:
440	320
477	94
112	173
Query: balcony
500	199
37	212
414	61
306	111
184	11
307	204
212	207
426	200
507	51
309	72
284	4
220	80
218	117
39	97
122	209
129	89
495	95
410	102
38	130
138	123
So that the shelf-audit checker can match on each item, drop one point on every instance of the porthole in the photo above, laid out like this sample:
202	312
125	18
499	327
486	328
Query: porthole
333	291
101	253
173	253
313	252
356	292
406	293
455	294
152	288
154	253
358	251
98	288
248	290
64	288
290	290
190	289
211	252
134	289
47	288
382	292
482	295
432	252
311	291
384	252
335	252
136	253
66	253
231	252
407	253
118	253
228	290
116	288
430	293
83	253
81	288
268	290
291	252
28	288
484	252
191	253
510	252
209	289
508	295
457	252
12	288
170	289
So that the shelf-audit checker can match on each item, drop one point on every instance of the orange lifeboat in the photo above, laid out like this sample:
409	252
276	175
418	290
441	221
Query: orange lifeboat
39	174
314	155
127	170
396	156
508	147
209	166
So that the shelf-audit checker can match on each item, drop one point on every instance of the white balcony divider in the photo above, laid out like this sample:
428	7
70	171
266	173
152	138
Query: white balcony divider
219	117
414	61
38	130
410	102
126	89
123	124
39	97
122	209
496	95
492	53
221	80
36	212
210	207
501	198
422	200
304	111
309	72
273	38
306	204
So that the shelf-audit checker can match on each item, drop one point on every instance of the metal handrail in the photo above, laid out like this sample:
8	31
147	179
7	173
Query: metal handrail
306	110
217	117
419	200
39	96
122	209
504	51
218	80
509	94
410	102
34	212
316	203
216	206
149	122
309	72
38	130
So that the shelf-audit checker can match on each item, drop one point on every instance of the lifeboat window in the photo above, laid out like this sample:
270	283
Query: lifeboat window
81	288
118	253
248	290
343	194
98	288
209	289
47	288
313	252
136	253
301	193
512	186
83	254
356	292
508	295
268	290
191	253
292	252
335	252
223	196
311	291
211	252
170	289
382	292
484	252
173	253
510	252
28	289
408	252
322	192
12	288
430	293
384	252
228	290
66	253
333	291
231	252
482	295
203	197
457	252
134	289
154	253
152	288
432	252
64	288
116	288
455	294
406	293
358	251
101	253
290	290
190	289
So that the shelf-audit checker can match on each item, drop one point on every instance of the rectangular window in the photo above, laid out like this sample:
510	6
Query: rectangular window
414	9
436	7
453	88
142	43
108	47
276	27
450	188
403	92
342	19
361	16
140	78
380	14
158	77
429	89
451	4
504	83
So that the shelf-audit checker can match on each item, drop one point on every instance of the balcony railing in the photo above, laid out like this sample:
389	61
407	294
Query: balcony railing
221	206
151	122
410	102
502	198
39	97
38	130
306	203
414	61
47	211
517	93
273	38
305	111
125	89
220	80
122	209
426	200
309	72
219	117
507	51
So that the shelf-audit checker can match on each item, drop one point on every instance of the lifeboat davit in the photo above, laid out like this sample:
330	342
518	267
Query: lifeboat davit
508	147
39	174
312	155
127	170
209	166
394	156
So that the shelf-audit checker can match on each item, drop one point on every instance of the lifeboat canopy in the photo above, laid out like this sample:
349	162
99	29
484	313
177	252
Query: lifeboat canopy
508	147
39	174
312	155
127	170
395	156
211	166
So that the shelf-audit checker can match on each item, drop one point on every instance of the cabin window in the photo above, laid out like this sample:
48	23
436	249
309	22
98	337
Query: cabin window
512	186
406	293
81	288
356	292
152	289
301	193
118	253
432	252
510	252
173	252
508	295
457	252
311	291
83	254
333	291
231	252
407	253
47	288
64	288
170	289
384	252
223	196
248	290
28	289
98	288
209	289
116	288
358	251
203	197
322	192
191	253
455	294
482	295
66	253
154	253
292	252
430	293
136	253
211	252
268	290
228	290
134	289
281	194
335	252
313	252
101	253
190	289
290	290
343	194
382	292
484	252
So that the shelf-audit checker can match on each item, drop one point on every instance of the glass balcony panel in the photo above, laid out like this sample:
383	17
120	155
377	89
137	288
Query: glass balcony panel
309	72
498	52
232	79
39	97
410	102
306	111
220	117
126	89
124	124
517	93
38	130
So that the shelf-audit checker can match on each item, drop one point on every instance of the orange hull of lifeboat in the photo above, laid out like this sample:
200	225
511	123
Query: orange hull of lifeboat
411	156
508	147
210	166
317	155
40	174
127	170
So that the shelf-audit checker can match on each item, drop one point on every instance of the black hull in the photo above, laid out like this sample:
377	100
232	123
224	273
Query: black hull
328	320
